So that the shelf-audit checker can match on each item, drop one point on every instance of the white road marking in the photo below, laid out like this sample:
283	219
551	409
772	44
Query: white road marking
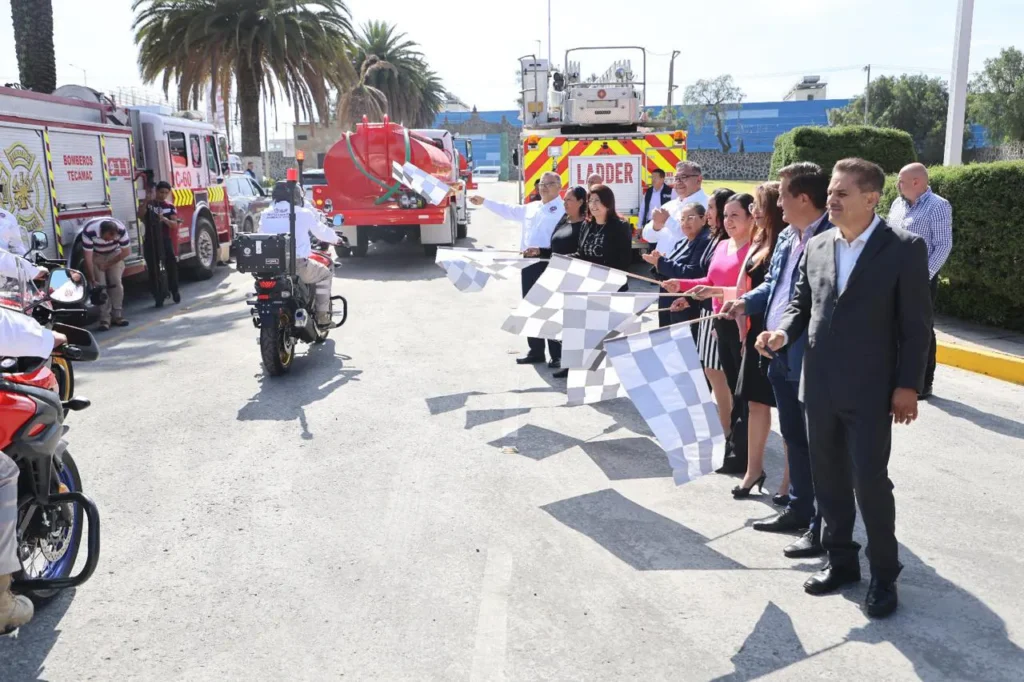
492	625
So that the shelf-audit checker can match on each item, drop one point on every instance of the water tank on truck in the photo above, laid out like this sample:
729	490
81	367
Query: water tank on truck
377	207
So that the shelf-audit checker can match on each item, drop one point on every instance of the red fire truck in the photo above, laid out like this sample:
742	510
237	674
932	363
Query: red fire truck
76	155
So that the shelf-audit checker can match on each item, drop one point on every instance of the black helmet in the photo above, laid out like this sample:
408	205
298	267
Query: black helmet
282	192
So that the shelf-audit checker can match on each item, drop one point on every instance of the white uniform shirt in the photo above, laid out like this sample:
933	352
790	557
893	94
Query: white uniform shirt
538	220
667	237
23	337
274	220
11	238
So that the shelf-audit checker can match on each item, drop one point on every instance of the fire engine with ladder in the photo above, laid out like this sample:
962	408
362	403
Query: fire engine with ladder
75	155
578	128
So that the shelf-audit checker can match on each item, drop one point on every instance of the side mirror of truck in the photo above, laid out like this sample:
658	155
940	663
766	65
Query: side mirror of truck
39	241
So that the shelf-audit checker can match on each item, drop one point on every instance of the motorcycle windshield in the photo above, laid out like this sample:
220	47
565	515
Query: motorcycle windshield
17	291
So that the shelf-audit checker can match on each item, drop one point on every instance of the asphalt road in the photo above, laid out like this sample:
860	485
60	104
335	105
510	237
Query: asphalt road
409	504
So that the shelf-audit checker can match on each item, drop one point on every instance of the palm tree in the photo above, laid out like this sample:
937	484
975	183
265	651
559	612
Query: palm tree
362	98
297	46
33	44
398	76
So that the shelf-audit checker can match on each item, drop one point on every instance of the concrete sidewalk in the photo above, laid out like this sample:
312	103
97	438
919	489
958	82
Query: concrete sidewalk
995	352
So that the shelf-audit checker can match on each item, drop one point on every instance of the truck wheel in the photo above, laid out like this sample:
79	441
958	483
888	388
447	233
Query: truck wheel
206	249
462	231
362	242
342	251
430	250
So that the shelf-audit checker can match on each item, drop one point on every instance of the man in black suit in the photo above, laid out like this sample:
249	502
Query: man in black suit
664	196
862	296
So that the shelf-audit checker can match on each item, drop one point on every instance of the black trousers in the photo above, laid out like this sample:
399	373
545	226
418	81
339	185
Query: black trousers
530	277
157	249
849	451
929	373
729	345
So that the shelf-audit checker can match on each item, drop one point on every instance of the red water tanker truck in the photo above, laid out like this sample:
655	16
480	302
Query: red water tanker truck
375	206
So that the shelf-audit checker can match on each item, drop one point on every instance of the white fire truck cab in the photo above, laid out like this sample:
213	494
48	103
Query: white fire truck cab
75	155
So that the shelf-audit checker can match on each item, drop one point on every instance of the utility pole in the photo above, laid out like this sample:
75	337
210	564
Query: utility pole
671	75
953	155
549	35
867	94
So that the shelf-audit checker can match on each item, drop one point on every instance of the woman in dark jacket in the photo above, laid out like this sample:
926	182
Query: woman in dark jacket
606	239
686	261
565	241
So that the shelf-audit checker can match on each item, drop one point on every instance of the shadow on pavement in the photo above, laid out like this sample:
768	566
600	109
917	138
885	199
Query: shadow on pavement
645	540
314	376
942	629
985	420
22	656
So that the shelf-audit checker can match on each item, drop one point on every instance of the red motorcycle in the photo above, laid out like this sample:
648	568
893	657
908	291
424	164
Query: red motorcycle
51	504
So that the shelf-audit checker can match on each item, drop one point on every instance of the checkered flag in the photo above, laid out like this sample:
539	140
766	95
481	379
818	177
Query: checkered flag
420	182
469	275
599	382
590	319
662	374
540	313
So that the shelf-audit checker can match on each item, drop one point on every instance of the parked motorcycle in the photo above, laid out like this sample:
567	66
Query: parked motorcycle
58	314
51	504
283	306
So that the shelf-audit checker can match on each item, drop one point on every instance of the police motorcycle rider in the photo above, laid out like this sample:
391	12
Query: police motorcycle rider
307	221
20	336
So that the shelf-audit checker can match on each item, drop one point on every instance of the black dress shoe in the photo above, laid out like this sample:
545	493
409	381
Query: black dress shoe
832	578
780	500
530	359
809	545
786	522
561	374
881	600
555	364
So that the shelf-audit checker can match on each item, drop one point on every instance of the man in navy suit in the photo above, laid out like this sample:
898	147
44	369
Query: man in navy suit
650	203
802	197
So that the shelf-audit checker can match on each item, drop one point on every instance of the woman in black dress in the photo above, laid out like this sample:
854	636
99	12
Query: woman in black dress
606	239
565	241
753	385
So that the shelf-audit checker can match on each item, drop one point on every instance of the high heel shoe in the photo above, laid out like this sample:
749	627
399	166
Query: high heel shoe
739	492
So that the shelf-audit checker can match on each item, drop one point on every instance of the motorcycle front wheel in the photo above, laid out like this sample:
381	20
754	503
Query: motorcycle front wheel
48	547
277	346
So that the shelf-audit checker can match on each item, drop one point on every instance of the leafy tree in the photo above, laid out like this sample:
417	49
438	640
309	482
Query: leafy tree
710	100
997	96
912	103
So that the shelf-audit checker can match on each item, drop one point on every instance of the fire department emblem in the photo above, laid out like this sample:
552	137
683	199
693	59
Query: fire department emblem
23	189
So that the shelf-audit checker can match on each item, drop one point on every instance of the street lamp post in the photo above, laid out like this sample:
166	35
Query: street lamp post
85	76
958	84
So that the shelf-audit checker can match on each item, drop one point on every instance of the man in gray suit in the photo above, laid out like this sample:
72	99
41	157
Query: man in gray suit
862	296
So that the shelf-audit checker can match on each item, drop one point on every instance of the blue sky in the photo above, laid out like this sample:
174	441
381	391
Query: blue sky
766	46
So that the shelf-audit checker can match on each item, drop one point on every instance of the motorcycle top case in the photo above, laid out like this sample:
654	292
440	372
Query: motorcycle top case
263	253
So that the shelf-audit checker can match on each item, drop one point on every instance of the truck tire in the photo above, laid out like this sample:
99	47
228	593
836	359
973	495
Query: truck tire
206	249
362	242
462	231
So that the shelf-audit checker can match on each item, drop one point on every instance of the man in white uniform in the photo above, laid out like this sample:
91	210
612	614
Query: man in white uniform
538	220
664	230
11	238
275	221
20	336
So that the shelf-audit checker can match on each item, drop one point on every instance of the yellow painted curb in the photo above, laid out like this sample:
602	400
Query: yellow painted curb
998	365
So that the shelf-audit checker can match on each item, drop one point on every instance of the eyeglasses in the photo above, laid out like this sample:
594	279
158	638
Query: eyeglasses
686	177
595	201
550	184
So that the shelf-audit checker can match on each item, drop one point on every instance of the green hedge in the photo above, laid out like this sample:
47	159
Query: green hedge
890	148
983	279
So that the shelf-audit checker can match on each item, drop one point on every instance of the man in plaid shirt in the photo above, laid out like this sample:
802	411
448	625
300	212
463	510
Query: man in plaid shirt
926	214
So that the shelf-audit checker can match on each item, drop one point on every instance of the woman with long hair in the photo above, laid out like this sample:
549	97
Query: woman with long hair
605	239
707	344
753	385
565	241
